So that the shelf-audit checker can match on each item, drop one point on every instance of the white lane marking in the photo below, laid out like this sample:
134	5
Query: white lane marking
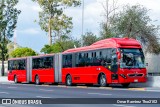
45	90
42	97
118	105
4	93
12	87
5	83
153	90
99	94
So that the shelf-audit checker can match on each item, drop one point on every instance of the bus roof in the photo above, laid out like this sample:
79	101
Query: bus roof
42	55
108	43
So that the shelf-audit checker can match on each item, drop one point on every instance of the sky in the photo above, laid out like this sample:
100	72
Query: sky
29	34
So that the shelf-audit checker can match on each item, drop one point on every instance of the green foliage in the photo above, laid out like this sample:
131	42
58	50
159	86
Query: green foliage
52	17
5	52
60	46
8	20
48	49
110	7
134	22
11	46
23	52
89	38
106	32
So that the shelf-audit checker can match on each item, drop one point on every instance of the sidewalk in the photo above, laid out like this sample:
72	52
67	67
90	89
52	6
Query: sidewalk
4	79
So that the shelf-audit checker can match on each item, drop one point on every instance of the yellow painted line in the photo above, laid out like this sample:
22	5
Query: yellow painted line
105	87
44	85
82	87
62	86
137	89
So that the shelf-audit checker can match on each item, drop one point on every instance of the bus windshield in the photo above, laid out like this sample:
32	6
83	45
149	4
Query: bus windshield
132	58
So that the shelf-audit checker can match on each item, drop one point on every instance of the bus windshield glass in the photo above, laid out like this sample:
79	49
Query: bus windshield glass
132	58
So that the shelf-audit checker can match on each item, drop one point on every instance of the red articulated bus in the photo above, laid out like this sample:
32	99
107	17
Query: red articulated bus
109	61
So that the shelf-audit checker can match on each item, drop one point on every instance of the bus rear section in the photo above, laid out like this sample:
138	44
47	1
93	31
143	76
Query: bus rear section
36	69
17	70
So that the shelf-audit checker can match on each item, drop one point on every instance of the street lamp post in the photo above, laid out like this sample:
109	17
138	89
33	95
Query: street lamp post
82	20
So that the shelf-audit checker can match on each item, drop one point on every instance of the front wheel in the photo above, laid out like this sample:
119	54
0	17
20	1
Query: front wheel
125	85
68	80
37	82
102	80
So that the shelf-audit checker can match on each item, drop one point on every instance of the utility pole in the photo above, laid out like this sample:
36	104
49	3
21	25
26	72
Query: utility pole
2	45
82	16
82	20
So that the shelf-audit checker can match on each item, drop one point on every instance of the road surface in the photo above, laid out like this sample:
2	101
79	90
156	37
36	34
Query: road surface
11	90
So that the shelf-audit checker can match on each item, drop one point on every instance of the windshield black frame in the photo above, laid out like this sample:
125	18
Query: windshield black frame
132	58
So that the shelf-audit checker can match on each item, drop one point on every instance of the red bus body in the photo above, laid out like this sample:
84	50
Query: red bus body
83	74
21	74
29	74
89	74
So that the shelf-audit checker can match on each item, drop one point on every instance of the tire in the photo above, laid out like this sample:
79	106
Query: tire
69	80
125	85
102	80
37	82
15	79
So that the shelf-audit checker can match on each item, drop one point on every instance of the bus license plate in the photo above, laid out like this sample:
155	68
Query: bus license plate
136	80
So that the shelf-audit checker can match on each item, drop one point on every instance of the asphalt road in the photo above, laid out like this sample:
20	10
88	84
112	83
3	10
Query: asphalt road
11	90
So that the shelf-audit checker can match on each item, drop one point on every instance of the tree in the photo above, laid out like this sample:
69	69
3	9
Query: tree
110	7
89	38
134	22
11	46
23	52
60	46
52	18
8	20
5	53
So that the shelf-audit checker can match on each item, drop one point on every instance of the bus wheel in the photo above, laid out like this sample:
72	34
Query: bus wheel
68	80
37	82
15	79
125	85
102	80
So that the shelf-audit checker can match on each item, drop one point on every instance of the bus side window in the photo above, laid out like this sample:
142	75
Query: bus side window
21	65
67	61
10	65
87	60
114	65
106	58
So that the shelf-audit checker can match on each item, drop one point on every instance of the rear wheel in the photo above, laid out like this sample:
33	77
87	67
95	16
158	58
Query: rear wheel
15	79
69	80
102	80
125	85
37	82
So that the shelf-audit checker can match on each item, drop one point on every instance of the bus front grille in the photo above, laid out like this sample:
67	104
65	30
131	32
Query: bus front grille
135	75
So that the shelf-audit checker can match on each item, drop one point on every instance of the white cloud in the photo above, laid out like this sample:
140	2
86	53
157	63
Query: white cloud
93	12
93	15
36	8
32	31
